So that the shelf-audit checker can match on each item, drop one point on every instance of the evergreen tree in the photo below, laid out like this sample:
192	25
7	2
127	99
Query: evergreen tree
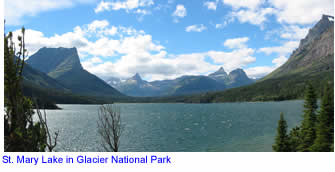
21	132
325	127
294	139
308	133
282	139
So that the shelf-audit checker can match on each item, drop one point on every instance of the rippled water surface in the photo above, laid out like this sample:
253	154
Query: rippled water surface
178	127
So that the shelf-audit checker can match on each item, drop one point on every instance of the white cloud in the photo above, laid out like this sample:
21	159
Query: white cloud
16	9
255	17
294	32
130	6
129	51
285	49
102	6
288	32
180	12
302	11
195	28
97	24
219	26
286	11
236	42
211	5
236	4
279	61
261	71
234	59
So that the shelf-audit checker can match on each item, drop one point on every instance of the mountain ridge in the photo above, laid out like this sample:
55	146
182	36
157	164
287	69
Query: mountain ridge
219	80
311	62
63	65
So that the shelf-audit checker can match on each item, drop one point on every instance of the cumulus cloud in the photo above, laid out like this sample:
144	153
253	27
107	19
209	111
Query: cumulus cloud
236	42
255	17
16	9
122	51
180	12
284	49
102	6
294	32
236	4
256	12
279	61
302	11
235	59
130	6
261	71
288	32
195	28
211	5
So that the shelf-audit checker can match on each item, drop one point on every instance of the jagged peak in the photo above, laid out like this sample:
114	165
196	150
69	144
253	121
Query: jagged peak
321	26
218	72
327	17
137	77
237	70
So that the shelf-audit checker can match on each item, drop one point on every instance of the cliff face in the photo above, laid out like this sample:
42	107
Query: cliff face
63	65
315	52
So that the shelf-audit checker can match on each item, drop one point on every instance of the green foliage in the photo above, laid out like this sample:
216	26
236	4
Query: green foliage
308	132
294	139
282	139
21	132
316	132
325	127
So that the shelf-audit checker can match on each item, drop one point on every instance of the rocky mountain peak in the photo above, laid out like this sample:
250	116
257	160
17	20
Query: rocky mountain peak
51	59
238	73
221	71
137	77
323	25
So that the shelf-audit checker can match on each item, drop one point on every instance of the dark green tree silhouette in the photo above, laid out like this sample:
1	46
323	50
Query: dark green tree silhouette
22	133
308	133
282	140
294	139
325	126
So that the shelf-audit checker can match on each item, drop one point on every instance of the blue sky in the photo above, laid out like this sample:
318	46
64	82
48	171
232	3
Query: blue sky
164	39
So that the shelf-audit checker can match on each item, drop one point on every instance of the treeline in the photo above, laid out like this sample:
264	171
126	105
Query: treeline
287	87
316	131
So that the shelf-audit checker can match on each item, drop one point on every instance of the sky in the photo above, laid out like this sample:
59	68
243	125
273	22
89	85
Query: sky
165	39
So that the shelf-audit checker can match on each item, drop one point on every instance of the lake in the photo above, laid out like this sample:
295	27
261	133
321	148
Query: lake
156	127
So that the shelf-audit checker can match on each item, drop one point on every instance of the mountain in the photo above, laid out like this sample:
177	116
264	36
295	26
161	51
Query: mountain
196	84
31	75
235	78
135	86
312	62
219	80
63	65
314	54
219	75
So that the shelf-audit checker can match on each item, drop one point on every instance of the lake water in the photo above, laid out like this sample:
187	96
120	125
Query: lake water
228	127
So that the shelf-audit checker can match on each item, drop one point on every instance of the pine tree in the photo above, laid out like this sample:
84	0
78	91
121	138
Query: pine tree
294	139
282	139
325	127
308	133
